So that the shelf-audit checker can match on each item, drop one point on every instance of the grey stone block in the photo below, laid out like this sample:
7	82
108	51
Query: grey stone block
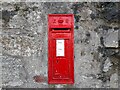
111	38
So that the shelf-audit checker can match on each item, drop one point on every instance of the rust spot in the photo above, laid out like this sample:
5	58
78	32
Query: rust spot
39	78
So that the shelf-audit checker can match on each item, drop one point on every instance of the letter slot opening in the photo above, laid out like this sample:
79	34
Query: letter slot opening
60	29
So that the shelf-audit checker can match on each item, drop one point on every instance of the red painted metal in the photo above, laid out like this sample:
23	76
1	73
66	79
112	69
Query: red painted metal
61	67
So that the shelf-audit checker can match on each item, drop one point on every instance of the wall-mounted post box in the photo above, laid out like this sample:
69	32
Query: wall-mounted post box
60	48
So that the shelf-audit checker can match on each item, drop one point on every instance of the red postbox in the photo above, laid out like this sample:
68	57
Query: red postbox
60	48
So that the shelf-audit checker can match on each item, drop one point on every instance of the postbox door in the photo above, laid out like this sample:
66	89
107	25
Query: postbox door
61	59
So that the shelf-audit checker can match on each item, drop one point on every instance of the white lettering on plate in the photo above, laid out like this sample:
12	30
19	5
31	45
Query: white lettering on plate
60	47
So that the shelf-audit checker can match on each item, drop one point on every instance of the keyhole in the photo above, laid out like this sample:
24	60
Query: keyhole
57	61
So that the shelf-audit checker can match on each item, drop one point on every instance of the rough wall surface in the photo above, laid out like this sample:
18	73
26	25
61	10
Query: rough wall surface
24	43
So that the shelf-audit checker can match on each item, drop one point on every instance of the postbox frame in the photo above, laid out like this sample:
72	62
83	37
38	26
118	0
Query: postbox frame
71	32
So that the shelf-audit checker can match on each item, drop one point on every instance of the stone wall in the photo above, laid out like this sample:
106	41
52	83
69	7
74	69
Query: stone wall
24	43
